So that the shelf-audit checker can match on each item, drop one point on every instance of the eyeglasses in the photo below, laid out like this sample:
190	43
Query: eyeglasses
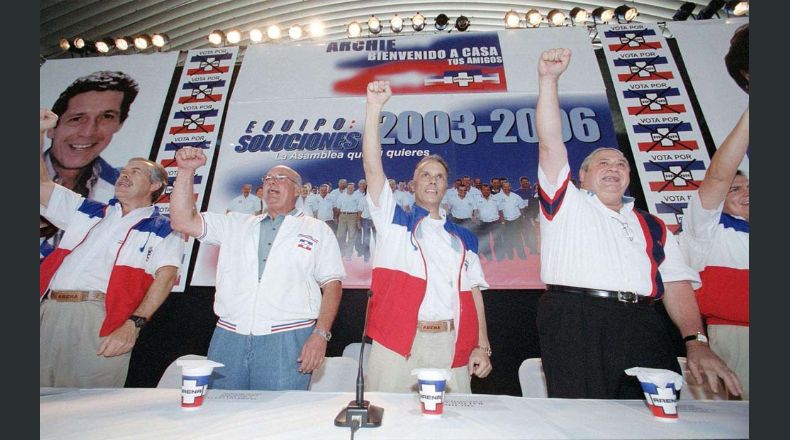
279	178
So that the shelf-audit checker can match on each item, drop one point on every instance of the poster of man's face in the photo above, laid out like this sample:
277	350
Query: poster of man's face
109	110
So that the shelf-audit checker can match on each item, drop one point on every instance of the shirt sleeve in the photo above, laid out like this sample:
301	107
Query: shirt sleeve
168	253
674	266
382	214
214	227
699	227
552	196
329	264
63	204
475	272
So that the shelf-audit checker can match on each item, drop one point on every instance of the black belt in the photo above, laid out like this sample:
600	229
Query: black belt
626	297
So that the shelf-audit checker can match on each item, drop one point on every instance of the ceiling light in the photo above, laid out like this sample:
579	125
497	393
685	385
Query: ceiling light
533	18
105	45
295	32
625	13
64	44
123	43
579	15
374	25
142	41
216	38
396	24
317	29
79	43
233	36
159	39
418	22
736	8
440	22
256	35
710	10
602	15
556	17
462	23
354	29
512	19
684	11
274	32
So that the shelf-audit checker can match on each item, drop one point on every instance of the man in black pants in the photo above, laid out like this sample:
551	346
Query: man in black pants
606	265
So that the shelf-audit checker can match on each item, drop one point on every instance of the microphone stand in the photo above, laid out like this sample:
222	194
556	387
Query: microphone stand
360	413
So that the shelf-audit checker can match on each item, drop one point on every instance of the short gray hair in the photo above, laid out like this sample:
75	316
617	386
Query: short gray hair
586	162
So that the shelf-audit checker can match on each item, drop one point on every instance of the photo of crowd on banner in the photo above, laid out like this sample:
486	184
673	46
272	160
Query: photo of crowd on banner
504	219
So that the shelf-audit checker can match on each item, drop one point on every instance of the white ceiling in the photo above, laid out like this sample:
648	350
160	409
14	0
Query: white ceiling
188	22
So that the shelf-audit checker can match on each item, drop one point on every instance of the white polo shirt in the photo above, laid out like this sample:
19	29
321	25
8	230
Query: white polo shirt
488	209
247	205
511	205
461	208
586	244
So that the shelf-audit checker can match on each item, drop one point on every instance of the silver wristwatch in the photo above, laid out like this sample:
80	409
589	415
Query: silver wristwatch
324	334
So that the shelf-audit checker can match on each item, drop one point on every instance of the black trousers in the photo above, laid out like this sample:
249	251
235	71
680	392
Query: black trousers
587	343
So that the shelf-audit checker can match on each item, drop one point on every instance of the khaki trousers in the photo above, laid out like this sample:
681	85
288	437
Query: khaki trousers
68	342
731	344
390	372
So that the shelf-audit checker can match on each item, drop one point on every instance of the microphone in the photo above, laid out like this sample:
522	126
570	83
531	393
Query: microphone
360	413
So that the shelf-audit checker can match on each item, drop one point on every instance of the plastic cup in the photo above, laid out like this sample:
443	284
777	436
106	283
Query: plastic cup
662	401
431	384
195	376
194	384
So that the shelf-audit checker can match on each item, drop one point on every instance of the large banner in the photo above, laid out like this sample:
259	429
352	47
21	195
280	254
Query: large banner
99	131
194	121
703	45
468	97
663	131
135	137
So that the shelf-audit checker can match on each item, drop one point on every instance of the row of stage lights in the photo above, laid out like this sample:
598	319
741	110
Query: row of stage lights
532	19
141	42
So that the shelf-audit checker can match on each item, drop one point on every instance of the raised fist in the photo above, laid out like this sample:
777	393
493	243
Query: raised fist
553	62
46	119
378	92
190	158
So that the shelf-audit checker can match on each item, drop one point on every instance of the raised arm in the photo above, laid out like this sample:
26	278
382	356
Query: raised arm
183	214
378	94
47	120
552	152
724	165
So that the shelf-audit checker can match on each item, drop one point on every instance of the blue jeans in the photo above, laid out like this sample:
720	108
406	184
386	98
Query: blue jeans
267	362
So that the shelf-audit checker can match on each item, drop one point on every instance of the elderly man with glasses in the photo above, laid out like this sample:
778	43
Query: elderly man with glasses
274	322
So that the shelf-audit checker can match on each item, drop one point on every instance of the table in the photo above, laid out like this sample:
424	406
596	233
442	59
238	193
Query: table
156	413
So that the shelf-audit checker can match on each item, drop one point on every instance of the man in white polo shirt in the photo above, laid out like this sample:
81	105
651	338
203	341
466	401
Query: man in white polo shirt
347	220
606	265
462	208
246	202
274	323
427	308
512	207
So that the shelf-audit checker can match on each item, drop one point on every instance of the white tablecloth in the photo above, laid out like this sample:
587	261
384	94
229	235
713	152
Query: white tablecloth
156	413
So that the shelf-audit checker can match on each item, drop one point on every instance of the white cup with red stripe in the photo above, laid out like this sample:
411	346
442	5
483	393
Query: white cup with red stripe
660	388
431	383
195	377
